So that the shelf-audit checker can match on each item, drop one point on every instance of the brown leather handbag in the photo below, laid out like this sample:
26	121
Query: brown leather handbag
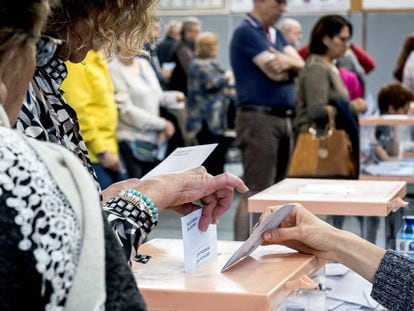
326	156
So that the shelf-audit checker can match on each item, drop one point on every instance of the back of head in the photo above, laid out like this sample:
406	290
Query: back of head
286	24
107	21
21	22
406	50
188	25
330	26
173	29
205	45
394	95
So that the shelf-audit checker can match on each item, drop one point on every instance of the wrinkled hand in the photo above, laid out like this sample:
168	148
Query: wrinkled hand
114	189
110	161
178	190
304	232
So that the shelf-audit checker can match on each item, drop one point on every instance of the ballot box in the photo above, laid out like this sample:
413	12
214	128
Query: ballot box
332	196
387	148
262	281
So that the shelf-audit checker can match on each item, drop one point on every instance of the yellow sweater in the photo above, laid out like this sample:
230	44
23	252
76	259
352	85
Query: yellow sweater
88	89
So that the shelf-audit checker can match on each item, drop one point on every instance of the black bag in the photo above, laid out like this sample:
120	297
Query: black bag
144	151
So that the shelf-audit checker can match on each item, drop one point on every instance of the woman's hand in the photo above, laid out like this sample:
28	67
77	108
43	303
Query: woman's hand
304	232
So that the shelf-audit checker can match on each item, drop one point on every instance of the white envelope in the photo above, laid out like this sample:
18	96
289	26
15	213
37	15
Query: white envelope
182	159
199	247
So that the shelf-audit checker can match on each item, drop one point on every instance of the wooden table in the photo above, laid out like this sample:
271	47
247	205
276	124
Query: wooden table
256	283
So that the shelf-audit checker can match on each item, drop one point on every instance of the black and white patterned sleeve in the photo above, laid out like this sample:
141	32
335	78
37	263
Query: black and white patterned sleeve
131	226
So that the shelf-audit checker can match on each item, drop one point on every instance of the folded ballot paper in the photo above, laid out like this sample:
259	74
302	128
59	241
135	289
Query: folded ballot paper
199	247
346	290
272	221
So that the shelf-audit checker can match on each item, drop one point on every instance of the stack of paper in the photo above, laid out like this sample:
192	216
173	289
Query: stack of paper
346	290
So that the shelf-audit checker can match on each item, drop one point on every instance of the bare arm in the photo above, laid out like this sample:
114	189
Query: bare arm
276	65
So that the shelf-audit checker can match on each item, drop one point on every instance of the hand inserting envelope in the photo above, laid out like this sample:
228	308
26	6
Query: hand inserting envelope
253	242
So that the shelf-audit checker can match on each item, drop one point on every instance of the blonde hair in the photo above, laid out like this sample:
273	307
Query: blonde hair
205	44
127	19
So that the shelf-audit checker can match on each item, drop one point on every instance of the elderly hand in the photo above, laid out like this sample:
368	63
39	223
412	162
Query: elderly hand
304	232
178	190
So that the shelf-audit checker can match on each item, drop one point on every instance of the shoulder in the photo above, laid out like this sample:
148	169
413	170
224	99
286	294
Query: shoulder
144	63
410	60
315	64
244	30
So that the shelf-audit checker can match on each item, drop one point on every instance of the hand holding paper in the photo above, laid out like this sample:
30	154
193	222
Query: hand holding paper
179	180
253	242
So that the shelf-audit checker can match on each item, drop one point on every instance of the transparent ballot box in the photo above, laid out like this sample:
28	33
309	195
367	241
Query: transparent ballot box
387	147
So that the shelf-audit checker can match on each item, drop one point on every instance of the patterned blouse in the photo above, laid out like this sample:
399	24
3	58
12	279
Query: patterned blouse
46	116
207	98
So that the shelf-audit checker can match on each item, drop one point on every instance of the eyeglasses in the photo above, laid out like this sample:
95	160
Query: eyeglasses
344	39
47	47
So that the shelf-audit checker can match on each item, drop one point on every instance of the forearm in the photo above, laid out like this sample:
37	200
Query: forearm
293	58
357	254
295	63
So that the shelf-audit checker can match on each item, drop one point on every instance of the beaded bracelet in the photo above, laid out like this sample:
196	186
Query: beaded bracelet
136	198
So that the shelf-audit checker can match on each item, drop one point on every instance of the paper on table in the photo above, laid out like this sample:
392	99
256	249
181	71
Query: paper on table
182	159
353	289
326	189
199	247
272	221
332	304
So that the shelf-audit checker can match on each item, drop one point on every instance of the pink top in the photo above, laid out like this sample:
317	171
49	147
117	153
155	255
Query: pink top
352	83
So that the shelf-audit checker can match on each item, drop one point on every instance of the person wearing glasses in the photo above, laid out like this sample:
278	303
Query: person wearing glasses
52	233
264	67
57	251
322	96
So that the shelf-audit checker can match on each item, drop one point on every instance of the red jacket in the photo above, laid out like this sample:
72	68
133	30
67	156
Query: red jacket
366	61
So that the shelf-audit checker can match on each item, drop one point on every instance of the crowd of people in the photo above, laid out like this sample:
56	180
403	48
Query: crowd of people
92	92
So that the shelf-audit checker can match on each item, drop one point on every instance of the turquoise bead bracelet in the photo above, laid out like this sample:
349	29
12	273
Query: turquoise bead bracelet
147	201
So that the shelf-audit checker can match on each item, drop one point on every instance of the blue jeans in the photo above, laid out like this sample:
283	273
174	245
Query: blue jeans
107	177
